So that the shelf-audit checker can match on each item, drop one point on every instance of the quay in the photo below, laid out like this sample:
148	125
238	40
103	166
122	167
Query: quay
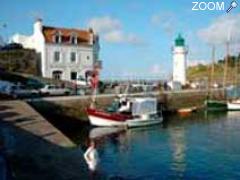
74	106
34	148
21	115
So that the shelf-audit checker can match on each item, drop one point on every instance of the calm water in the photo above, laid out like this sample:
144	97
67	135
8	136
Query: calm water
200	146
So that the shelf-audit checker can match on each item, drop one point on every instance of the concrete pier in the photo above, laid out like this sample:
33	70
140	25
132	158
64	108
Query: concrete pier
21	115
34	148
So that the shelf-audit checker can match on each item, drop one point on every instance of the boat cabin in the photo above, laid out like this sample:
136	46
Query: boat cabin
134	106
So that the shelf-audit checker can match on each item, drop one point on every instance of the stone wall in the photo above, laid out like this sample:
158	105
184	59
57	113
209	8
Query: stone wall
75	109
20	60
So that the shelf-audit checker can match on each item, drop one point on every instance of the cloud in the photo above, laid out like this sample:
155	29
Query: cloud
104	24
118	36
224	28
111	30
157	69
166	21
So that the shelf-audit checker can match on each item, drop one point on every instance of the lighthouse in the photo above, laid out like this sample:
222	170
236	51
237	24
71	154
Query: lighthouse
179	60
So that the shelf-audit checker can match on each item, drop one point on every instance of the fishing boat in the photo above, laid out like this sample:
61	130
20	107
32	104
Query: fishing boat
210	103
215	105
125	111
134	112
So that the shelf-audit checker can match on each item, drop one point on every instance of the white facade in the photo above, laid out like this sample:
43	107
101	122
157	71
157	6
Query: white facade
58	59
83	60
179	63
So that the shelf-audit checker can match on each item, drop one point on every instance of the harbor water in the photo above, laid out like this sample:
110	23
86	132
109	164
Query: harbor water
199	146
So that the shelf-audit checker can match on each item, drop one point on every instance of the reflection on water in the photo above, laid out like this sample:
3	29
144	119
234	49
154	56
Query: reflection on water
178	148
233	114
200	146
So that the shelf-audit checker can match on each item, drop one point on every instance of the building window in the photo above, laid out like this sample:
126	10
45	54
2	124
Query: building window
57	37
73	75
73	57
73	39
88	57
56	56
57	75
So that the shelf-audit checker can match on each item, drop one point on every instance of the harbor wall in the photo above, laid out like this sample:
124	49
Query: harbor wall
35	149
170	101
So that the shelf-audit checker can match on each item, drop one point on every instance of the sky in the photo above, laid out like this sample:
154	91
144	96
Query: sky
136	36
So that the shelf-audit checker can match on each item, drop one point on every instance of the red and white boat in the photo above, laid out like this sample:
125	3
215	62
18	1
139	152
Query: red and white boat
136	112
125	112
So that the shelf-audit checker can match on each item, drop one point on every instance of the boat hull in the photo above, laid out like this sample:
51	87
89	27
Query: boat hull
139	122
213	105
232	106
98	118
98	121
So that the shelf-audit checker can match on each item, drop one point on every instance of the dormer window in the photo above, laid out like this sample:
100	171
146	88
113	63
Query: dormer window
58	37
73	39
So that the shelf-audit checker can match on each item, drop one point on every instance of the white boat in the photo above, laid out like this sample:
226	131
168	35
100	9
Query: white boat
133	112
234	105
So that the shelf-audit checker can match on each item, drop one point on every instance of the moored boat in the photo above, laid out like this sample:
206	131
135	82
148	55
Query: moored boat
134	112
234	105
124	111
215	105
186	111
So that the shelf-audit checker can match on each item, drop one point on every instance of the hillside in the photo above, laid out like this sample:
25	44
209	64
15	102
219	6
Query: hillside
203	72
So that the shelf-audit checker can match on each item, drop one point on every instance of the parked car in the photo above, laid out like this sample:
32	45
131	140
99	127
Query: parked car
20	91
54	90
82	82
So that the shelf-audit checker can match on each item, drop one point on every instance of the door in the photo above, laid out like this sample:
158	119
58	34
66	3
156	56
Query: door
57	75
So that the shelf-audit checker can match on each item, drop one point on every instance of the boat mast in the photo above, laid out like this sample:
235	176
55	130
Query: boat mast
226	67
226	61
236	71
236	60
212	70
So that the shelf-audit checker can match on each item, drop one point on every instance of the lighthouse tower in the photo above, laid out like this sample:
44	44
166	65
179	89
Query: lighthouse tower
179	60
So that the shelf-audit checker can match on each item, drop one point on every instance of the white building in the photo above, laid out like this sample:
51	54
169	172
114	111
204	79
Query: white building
179	60
65	53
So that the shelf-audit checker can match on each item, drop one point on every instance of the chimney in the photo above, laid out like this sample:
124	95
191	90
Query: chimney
37	26
90	30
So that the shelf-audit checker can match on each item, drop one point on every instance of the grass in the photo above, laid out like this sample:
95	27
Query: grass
203	72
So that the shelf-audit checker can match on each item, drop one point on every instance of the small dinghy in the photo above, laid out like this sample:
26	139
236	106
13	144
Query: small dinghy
186	111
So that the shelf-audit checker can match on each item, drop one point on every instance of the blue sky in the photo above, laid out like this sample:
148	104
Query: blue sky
135	35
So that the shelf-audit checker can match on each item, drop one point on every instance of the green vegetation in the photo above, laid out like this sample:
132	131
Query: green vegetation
20	60
200	71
